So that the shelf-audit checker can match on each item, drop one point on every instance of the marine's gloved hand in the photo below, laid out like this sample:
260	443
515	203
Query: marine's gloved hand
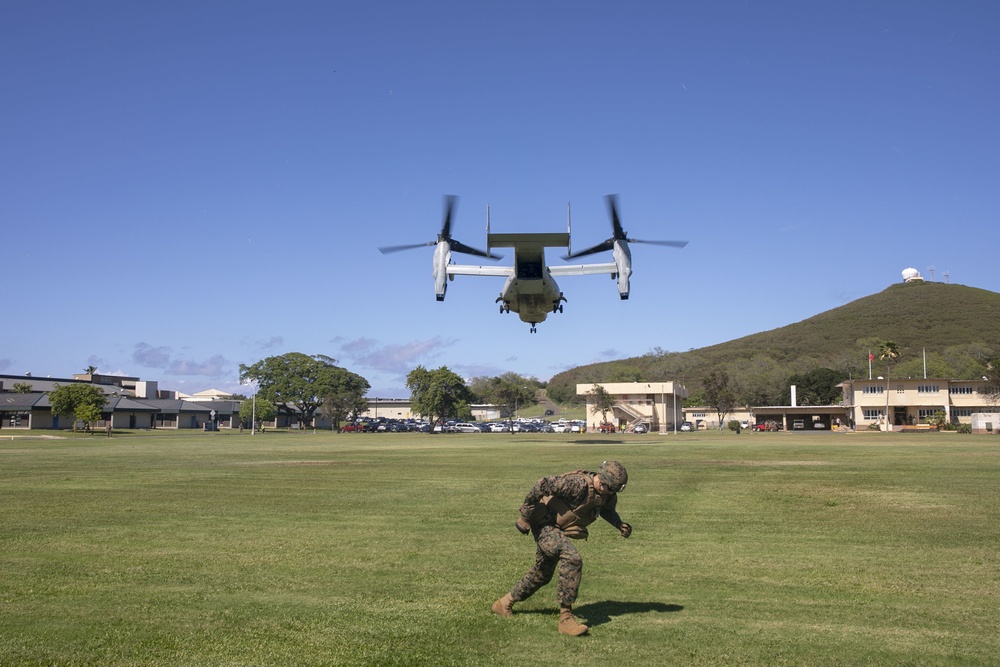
522	525
625	529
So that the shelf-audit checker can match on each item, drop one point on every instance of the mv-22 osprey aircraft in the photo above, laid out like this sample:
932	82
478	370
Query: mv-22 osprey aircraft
530	290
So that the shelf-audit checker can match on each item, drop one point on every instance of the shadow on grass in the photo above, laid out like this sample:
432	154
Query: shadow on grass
599	613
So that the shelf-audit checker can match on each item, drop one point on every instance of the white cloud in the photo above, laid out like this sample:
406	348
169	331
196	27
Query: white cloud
151	357
401	358
211	367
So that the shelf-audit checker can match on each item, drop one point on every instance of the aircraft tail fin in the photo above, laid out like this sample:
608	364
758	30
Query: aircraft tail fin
569	226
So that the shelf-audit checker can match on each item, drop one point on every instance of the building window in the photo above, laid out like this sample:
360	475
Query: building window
961	390
961	412
900	389
928	389
874	389
929	412
872	414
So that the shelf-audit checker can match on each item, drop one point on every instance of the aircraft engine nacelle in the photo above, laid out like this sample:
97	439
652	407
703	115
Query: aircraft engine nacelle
623	264
442	258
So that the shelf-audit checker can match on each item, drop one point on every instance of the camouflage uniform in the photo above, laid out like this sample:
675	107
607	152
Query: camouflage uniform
554	547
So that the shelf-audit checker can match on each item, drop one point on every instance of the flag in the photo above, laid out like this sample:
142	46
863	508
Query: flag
871	357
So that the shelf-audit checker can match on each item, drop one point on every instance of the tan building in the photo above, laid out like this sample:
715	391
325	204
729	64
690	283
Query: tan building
654	405
909	401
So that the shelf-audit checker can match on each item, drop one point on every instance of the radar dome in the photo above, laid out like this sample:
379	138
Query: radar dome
910	275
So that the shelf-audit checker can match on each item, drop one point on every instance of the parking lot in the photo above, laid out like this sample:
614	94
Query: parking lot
452	426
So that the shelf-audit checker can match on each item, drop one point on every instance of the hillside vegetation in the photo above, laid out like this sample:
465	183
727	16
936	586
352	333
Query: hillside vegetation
956	325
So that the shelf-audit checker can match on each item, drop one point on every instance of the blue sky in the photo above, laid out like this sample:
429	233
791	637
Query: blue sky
188	186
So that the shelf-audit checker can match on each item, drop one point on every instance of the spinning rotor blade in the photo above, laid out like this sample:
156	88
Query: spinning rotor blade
600	247
616	223
445	235
385	250
449	209
669	244
619	234
458	246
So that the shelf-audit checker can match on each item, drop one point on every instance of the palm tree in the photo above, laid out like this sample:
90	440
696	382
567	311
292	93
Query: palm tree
90	370
888	351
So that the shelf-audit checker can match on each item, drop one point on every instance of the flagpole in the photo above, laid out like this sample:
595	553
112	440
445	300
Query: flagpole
869	364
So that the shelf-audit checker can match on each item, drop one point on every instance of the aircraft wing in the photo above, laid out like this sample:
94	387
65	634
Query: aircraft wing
583	269
470	270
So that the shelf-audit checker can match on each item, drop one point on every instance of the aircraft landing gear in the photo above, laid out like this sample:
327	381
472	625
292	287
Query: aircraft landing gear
533	329
557	306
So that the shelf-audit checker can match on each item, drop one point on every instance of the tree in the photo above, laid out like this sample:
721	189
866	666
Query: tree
718	394
88	413
991	387
299	383
508	392
438	394
888	352
345	399
816	387
84	402
22	388
603	401
259	409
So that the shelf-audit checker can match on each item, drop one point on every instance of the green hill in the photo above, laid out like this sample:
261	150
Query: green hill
958	326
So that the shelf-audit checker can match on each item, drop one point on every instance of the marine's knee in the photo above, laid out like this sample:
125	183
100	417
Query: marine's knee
572	559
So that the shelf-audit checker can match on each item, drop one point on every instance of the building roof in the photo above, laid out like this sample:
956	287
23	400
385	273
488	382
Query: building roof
220	407
124	404
15	401
172	405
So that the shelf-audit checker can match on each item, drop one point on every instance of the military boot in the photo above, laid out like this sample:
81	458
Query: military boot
504	606
568	625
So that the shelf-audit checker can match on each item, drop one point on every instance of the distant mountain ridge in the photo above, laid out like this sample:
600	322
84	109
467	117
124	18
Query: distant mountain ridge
957	325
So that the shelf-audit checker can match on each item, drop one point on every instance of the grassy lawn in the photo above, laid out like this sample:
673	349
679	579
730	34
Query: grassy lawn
321	549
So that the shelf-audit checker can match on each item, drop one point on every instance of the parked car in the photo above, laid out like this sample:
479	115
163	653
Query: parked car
560	427
464	427
639	428
818	424
687	426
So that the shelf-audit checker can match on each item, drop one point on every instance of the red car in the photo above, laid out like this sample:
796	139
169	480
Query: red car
353	427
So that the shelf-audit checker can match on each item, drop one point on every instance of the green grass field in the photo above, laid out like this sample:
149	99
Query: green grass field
321	549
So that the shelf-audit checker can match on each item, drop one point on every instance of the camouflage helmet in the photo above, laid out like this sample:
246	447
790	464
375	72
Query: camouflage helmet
613	475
